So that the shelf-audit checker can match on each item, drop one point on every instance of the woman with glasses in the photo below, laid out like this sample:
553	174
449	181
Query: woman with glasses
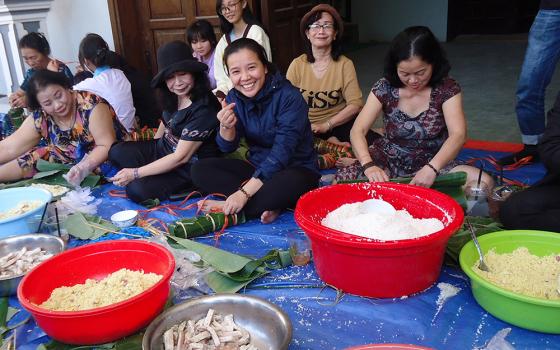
326	78
236	21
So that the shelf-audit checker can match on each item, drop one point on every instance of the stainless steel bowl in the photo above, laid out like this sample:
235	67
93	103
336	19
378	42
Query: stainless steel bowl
52	244
269	326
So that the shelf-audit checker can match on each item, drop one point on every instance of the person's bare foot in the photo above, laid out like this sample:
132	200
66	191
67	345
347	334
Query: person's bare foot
345	161
336	141
210	205
269	216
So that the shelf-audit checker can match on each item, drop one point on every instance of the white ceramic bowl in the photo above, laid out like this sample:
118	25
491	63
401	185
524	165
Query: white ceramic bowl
124	218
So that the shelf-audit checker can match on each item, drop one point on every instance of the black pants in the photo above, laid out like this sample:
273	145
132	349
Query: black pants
282	190
139	153
342	133
536	208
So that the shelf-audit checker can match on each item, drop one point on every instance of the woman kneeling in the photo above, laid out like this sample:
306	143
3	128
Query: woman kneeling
271	114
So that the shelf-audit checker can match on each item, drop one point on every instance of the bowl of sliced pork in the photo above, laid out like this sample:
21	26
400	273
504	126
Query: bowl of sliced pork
20	254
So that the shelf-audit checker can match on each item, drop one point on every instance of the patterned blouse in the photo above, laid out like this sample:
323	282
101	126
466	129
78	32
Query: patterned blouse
67	146
409	141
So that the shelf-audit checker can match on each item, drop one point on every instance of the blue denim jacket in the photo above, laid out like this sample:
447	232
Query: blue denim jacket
276	127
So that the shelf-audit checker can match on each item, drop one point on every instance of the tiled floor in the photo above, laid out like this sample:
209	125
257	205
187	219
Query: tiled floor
487	67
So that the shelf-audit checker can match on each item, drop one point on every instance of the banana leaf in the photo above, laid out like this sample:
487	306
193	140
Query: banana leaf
88	226
451	184
231	271
481	226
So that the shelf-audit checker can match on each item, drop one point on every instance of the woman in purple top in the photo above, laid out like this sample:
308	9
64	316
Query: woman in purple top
202	39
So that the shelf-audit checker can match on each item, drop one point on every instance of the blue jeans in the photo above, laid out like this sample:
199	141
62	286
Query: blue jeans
541	57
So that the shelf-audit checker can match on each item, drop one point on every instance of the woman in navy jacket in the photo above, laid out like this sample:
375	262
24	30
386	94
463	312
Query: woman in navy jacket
266	110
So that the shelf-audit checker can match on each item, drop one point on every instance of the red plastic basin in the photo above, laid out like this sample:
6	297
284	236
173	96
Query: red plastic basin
382	269
103	324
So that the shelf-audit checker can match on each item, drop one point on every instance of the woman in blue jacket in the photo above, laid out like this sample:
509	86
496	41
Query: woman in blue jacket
270	113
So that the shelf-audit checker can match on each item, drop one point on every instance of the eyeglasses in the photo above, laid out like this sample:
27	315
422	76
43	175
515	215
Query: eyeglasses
317	26
229	8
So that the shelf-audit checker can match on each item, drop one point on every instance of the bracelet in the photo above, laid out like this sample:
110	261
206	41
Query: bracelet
245	192
368	165
135	173
329	124
433	168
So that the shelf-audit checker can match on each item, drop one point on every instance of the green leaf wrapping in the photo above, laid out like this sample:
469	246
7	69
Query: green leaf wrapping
202	225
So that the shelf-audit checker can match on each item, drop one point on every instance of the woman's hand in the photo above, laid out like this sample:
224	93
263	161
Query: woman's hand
235	202
123	177
376	174
17	100
425	177
320	128
227	116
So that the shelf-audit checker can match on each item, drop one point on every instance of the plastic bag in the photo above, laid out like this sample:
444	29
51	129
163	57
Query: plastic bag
188	280
78	172
78	200
499	342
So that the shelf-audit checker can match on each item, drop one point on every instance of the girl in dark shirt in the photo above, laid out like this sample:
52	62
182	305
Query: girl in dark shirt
161	167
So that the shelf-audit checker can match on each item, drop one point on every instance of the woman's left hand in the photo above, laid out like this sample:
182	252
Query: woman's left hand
320	128
123	177
425	177
235	202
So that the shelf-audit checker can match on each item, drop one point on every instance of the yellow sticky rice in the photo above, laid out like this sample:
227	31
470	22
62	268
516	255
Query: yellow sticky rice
118	286
524	273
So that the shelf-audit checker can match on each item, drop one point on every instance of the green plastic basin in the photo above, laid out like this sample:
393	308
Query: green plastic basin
523	311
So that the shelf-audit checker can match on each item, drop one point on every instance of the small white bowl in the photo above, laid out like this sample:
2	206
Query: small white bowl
124	218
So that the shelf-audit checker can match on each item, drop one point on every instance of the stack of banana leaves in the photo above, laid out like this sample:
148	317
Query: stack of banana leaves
231	271
450	184
51	174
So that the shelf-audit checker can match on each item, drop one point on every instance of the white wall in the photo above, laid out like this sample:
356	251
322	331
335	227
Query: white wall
381	20
70	20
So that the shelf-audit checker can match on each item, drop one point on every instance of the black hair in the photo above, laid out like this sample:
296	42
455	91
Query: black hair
40	80
247	16
81	76
416	41
202	29
36	41
336	45
200	90
95	49
252	45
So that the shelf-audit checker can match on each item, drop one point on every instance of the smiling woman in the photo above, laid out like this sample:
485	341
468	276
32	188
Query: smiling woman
236	21
75	125
265	109
161	167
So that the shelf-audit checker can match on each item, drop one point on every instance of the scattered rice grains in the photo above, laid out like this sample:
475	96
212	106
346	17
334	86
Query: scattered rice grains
524	273
118	286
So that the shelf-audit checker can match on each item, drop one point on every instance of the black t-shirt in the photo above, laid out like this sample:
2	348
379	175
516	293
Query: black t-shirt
550	4
197	122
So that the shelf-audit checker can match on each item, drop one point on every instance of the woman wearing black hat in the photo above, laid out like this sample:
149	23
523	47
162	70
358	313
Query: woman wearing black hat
161	167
